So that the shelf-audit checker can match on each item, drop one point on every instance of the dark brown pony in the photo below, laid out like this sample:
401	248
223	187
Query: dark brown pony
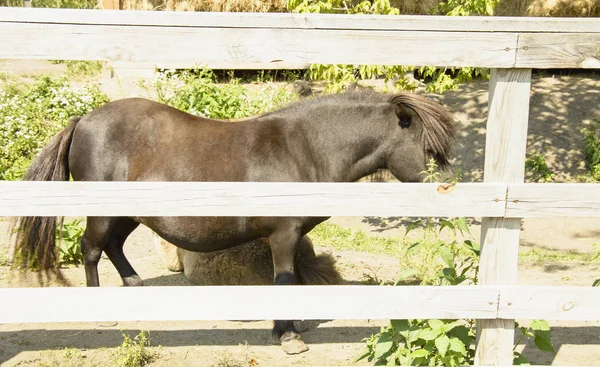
335	138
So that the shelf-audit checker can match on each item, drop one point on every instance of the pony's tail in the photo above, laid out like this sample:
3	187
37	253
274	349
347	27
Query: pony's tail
35	244
314	269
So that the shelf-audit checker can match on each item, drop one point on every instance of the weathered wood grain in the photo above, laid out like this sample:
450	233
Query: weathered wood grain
550	303
223	303
553	200
302	21
556	50
506	134
68	304
248	199
254	47
506	137
290	41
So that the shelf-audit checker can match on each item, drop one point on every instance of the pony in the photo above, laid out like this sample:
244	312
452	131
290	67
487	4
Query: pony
333	138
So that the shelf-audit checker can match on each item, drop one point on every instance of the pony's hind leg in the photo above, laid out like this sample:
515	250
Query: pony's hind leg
114	250
93	241
284	242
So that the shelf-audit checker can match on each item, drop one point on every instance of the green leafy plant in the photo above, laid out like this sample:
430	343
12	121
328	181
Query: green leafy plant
591	150
69	236
437	342
442	262
539	330
596	256
435	80
81	68
340	238
537	168
30	113
434	258
342	6
421	343
440	80
196	91
134	352
339	76
465	7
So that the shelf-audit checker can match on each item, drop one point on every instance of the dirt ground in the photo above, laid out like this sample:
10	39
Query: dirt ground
560	106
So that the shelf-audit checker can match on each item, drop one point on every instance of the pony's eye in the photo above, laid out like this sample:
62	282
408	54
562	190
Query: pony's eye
404	121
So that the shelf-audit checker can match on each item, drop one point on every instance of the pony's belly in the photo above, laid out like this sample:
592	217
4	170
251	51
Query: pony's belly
201	234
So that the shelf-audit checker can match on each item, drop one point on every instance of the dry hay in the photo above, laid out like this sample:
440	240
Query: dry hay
564	8
248	264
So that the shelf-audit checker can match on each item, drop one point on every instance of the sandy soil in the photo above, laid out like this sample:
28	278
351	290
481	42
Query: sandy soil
560	107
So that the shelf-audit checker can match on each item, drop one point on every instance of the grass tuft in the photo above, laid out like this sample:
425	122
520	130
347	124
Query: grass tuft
134	352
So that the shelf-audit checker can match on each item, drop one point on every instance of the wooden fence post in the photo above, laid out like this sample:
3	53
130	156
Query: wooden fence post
506	138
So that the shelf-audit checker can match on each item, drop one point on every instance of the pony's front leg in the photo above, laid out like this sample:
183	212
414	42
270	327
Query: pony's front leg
284	244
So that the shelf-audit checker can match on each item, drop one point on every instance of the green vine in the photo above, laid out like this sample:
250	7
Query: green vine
433	79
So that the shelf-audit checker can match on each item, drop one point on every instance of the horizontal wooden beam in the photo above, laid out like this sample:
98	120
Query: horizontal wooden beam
550	303
298	199
223	303
26	198
289	41
553	200
558	50
249	48
296	302
303	21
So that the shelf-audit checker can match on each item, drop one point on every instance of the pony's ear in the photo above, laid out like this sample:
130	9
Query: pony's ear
404	115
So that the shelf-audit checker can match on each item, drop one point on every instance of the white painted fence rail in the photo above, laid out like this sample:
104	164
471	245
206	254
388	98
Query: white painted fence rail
512	46
500	200
249	199
254	41
301	302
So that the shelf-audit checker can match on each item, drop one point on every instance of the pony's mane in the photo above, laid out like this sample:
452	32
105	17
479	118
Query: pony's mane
439	126
337	99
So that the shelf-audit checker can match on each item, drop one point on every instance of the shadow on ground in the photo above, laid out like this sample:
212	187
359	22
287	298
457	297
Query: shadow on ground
15	342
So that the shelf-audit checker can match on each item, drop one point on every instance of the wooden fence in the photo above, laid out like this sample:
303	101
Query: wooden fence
510	46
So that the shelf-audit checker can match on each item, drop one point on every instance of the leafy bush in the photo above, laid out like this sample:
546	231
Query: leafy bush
31	113
436	342
591	150
196	91
539	330
81	68
342	6
466	7
69	236
441	342
135	353
421	343
435	80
